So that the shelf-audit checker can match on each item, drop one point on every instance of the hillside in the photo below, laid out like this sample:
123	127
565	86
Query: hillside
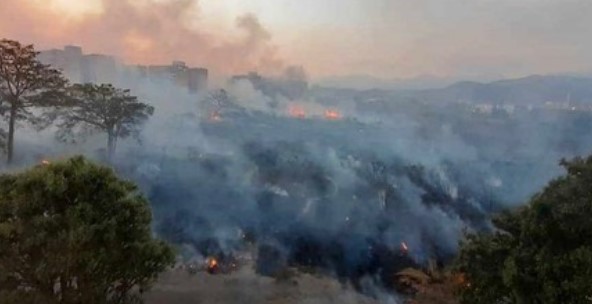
531	90
244	286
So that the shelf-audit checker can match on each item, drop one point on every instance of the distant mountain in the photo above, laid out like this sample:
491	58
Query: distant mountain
528	90
366	82
531	90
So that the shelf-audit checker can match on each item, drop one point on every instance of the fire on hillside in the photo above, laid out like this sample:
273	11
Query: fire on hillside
333	115
297	111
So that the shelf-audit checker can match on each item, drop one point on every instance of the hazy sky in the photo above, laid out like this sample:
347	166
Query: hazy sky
384	38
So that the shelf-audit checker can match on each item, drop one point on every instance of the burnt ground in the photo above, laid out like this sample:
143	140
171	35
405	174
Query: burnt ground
244	286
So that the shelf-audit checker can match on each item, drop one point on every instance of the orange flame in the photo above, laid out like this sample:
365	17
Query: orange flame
297	111
333	115
212	265
461	280
215	117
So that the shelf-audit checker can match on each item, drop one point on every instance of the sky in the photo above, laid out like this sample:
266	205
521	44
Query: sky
381	38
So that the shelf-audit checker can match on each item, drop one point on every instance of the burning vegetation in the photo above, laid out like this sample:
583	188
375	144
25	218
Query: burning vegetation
221	264
370	200
290	213
313	195
215	117
212	265
296	111
333	115
299	112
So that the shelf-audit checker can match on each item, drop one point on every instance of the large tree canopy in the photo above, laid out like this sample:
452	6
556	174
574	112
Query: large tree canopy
541	253
72	232
25	83
104	108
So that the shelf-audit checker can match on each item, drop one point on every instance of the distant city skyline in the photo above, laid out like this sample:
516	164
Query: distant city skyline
386	39
80	67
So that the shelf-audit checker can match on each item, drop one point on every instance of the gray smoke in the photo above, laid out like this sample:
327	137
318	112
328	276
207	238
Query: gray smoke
342	195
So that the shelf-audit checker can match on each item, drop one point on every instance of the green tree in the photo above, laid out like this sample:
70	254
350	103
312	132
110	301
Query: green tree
25	83
103	108
540	253
73	232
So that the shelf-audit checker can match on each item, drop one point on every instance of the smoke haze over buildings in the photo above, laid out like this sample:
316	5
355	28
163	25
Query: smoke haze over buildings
144	32
385	39
358	183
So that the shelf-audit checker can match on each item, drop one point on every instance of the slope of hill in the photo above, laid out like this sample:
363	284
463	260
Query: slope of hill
522	91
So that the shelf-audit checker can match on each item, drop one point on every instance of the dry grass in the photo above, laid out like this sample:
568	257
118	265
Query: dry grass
434	286
244	286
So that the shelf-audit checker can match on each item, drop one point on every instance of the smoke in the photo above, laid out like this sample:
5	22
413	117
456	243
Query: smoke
287	94
270	170
338	195
145	31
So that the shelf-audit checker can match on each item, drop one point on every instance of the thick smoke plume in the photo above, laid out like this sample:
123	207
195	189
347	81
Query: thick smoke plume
356	184
145	31
387	186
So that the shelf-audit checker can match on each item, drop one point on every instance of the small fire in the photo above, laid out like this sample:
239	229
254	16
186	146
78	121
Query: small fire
45	162
404	247
215	117
297	111
212	265
461	280
333	115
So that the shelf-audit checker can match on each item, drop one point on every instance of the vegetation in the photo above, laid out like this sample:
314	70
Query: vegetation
104	108
72	232
431	285
541	253
25	83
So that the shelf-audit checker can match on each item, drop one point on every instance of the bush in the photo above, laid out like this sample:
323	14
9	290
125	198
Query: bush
541	253
72	232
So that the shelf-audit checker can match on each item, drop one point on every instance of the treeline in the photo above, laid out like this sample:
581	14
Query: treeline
40	95
71	231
